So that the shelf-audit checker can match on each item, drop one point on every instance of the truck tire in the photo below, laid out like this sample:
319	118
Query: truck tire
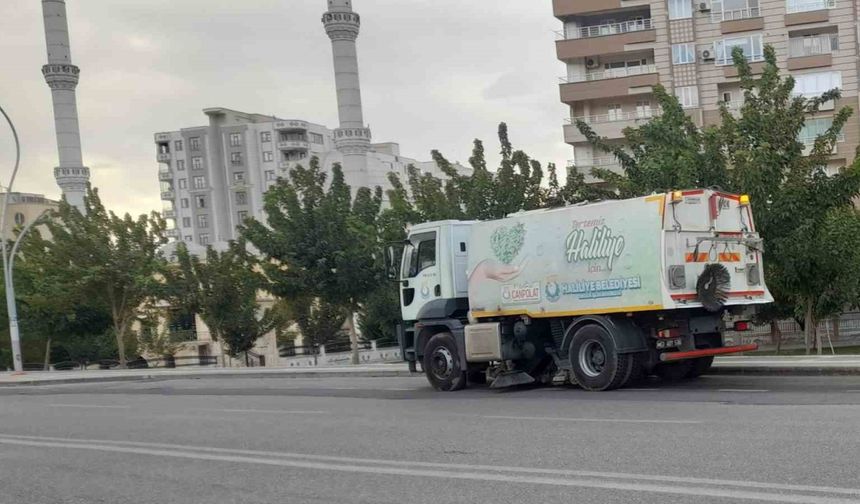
442	363
674	371
596	363
700	366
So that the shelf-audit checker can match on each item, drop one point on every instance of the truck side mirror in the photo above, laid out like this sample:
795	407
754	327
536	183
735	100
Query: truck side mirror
391	263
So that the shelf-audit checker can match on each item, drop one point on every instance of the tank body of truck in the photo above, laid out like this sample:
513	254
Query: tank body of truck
600	293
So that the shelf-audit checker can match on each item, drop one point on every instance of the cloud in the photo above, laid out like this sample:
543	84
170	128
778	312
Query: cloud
435	75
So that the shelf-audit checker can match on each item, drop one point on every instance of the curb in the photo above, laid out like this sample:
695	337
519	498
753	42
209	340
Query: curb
785	370
382	373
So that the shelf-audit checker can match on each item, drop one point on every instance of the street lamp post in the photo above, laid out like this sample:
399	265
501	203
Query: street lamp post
11	308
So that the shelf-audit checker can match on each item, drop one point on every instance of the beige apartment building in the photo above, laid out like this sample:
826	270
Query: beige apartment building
616	50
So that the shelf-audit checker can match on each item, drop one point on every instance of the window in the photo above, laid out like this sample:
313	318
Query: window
197	163
727	97
613	112
236	158
815	84
810	45
177	145
183	183
200	201
183	202
268	156
270	175
19	219
163	148
204	238
643	109
750	45
316	138
235	139
200	182
688	96
194	143
680	9
813	128
188	238
729	10
203	221
186	222
793	6
241	198
180	165
266	136
242	215
421	251
683	54
238	176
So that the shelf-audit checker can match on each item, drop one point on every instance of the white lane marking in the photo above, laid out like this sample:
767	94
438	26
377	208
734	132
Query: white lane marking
616	420
639	389
283	412
441	465
400	389
87	406
852	391
446	474
741	390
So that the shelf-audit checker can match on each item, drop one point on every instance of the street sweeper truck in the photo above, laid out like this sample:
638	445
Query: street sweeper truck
600	294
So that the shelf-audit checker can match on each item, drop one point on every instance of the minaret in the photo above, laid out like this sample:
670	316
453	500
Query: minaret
352	139
62	77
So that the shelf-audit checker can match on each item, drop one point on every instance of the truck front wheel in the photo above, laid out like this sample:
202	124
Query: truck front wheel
596	362
442	363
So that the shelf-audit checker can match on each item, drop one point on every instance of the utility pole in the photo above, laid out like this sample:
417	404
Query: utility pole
11	308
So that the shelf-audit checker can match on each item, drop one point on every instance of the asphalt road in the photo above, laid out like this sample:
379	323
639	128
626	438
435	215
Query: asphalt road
394	440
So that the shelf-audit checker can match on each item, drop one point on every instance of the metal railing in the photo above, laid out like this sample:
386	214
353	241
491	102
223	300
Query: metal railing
793	6
606	29
727	59
799	47
616	117
735	14
610	73
594	162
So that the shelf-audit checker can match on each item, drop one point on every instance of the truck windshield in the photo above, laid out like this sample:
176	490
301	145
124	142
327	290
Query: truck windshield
419	254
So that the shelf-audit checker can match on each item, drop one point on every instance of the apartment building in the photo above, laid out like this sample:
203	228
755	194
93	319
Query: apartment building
616	50
213	177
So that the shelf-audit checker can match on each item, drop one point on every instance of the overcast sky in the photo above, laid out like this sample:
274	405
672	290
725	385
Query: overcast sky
435	74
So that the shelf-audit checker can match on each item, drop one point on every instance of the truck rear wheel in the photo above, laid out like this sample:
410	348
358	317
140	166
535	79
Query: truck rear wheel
442	363
597	365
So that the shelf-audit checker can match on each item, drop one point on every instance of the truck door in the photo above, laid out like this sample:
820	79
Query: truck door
420	275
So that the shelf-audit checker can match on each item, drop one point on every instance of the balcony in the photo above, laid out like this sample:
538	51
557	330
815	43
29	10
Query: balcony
608	125
812	52
739	20
168	195
293	145
603	39
165	175
172	233
608	163
168	214
162	137
182	336
798	6
291	125
564	8
608	83
163	157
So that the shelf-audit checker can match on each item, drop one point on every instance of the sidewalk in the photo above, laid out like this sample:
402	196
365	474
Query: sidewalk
838	365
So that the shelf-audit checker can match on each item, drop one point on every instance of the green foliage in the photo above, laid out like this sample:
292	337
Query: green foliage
222	288
94	264
668	152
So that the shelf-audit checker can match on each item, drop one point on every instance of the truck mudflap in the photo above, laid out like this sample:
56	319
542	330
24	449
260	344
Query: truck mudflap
706	352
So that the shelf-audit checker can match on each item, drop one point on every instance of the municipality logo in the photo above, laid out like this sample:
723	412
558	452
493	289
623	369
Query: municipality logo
552	291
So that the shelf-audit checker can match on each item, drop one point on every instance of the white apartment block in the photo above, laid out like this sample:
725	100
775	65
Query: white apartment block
214	177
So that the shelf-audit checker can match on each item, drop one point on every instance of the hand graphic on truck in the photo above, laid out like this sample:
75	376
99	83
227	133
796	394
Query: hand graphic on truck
489	269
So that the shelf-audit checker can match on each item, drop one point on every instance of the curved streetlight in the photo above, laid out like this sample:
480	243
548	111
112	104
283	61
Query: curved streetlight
11	308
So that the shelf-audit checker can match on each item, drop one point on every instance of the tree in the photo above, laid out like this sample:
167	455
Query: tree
222	289
320	323
319	244
802	213
101	259
666	153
